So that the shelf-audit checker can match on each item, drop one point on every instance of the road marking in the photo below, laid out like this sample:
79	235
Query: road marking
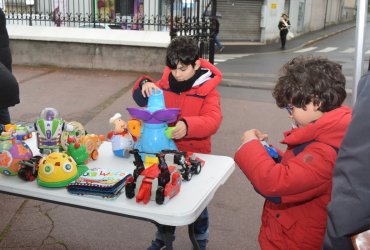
328	49
220	58
349	50
305	50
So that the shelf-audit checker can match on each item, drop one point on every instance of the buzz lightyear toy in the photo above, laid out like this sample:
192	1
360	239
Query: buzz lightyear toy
49	127
153	135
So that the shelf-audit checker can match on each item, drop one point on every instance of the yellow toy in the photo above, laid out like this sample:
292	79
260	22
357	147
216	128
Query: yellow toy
58	170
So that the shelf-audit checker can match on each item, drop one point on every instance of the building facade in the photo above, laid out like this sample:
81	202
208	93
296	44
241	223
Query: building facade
257	20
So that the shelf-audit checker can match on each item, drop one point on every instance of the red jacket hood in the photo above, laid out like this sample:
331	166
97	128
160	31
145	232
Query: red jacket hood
329	129
203	89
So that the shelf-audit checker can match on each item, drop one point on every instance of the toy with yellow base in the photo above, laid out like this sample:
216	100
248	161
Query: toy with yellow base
58	170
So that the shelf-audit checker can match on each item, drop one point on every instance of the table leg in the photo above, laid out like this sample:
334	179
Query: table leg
192	236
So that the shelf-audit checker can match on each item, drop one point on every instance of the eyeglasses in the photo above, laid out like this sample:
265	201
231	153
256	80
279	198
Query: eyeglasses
289	108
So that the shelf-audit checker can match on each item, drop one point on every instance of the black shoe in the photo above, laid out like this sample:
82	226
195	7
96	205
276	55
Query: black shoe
202	244
157	245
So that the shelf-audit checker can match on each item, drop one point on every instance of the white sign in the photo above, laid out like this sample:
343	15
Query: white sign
30	2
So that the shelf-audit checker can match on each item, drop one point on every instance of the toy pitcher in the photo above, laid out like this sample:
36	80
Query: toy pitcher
155	118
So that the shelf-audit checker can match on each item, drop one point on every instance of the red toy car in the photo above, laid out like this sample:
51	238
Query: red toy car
158	182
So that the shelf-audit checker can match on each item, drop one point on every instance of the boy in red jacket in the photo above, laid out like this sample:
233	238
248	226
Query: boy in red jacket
188	83
297	188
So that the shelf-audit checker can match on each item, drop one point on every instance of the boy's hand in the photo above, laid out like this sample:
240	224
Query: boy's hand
253	134
179	131
147	89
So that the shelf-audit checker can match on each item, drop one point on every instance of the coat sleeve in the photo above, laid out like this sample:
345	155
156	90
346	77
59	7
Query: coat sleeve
349	209
301	178
208	121
140	100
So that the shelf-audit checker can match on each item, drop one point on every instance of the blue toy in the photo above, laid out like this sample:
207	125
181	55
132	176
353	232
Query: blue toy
153	132
271	151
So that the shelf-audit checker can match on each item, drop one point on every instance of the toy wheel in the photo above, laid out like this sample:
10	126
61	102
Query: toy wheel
94	155
187	176
159	196
130	190
197	168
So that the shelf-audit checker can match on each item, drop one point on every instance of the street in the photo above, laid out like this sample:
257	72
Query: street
255	69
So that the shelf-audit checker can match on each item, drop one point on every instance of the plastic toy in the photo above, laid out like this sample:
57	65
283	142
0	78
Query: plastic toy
22	132
78	152
28	168
158	182
189	164
49	127
11	152
57	170
271	151
122	141
155	119
92	143
18	131
77	132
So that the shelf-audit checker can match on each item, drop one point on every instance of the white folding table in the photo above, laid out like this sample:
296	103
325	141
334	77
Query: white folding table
181	210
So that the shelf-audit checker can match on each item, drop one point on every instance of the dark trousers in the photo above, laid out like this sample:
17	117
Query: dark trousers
4	116
283	34
200	228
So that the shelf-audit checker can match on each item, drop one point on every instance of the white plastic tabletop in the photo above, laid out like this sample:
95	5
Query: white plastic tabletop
183	209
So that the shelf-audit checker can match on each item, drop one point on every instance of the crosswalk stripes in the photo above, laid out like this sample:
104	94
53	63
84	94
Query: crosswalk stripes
220	58
329	49
305	50
349	50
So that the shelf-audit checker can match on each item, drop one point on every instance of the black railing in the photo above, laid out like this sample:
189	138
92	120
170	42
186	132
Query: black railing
178	17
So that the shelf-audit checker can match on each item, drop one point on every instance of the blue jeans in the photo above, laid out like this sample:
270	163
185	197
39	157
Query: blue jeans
200	228
218	43
4	116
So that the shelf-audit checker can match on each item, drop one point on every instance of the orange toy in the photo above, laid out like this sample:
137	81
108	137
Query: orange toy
134	128
92	143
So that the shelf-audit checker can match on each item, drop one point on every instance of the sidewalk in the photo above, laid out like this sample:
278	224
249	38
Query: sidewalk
92	97
296	42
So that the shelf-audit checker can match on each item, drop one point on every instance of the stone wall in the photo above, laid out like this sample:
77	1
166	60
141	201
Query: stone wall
142	51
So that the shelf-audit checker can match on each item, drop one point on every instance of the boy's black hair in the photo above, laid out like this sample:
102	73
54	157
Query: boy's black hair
182	50
310	79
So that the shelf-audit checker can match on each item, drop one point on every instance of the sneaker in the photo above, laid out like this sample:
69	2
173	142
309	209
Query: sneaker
202	244
222	48
157	245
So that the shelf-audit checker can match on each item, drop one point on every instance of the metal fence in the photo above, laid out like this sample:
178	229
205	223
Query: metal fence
178	17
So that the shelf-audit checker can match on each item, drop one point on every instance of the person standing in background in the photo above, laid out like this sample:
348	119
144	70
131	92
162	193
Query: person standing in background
216	28
283	26
5	53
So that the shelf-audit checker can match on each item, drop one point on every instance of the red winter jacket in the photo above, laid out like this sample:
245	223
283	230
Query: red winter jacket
199	107
302	182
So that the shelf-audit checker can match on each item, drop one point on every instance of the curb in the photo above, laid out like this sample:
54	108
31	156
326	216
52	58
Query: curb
327	35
